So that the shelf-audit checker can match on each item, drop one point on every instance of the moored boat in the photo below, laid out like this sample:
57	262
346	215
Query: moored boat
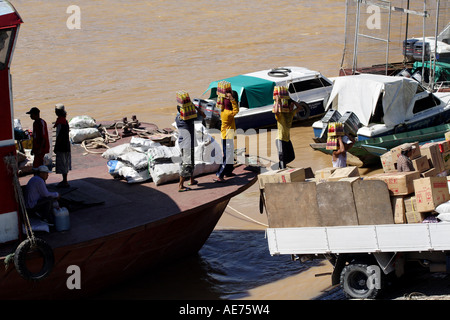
255	94
385	105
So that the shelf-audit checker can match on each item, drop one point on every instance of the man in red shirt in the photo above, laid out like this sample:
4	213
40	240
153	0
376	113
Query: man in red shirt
41	143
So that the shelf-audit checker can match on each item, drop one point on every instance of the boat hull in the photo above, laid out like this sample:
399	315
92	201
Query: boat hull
114	259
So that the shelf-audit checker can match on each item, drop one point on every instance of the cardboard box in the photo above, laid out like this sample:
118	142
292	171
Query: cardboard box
346	172
446	159
431	192
421	164
267	177
323	174
398	208
443	146
281	176
431	150
398	183
432	172
410	204
397	151
291	175
415	216
387	162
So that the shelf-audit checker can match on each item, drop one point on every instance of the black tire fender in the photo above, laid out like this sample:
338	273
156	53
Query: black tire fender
20	258
307	112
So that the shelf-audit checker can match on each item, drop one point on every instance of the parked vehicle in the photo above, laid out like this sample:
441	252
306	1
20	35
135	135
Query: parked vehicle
353	224
255	93
363	257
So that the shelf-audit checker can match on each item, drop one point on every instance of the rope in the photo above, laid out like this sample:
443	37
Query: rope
263	224
13	168
101	142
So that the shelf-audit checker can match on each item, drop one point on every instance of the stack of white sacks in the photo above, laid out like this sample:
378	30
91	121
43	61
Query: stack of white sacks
143	159
83	128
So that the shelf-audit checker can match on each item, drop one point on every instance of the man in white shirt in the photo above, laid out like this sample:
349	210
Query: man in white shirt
38	199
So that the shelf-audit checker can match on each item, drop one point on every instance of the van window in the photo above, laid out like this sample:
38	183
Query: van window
305	85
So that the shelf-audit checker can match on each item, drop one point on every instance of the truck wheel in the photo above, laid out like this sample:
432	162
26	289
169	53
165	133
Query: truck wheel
354	282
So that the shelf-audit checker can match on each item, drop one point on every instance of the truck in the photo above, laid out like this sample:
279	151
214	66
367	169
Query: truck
353	230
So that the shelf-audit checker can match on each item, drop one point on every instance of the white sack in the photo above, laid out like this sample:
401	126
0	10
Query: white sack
82	122
79	135
116	152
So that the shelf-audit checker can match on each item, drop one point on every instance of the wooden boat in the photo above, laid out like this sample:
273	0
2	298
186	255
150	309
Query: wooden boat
369	150
117	230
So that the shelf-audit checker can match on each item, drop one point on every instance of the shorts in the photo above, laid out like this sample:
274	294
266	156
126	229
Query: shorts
63	162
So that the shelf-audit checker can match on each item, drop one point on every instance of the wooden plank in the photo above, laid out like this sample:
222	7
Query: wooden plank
373	203
336	204
292	205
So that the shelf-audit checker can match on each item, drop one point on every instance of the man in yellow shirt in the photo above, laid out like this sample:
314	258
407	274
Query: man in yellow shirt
227	131
286	152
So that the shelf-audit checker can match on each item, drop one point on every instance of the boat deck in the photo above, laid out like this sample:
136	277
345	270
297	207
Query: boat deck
103	206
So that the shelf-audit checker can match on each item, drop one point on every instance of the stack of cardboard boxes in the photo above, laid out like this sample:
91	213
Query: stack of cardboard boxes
431	159
415	195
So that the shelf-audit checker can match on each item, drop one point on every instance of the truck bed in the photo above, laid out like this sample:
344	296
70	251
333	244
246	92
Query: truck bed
416	237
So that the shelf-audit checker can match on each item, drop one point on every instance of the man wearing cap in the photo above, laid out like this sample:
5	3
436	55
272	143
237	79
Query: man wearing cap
41	143
62	145
404	162
339	156
38	200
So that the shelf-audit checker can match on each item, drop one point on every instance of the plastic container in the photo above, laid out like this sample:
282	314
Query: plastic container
351	123
62	219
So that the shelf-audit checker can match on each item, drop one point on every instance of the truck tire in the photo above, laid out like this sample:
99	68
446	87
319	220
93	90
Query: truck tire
354	282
